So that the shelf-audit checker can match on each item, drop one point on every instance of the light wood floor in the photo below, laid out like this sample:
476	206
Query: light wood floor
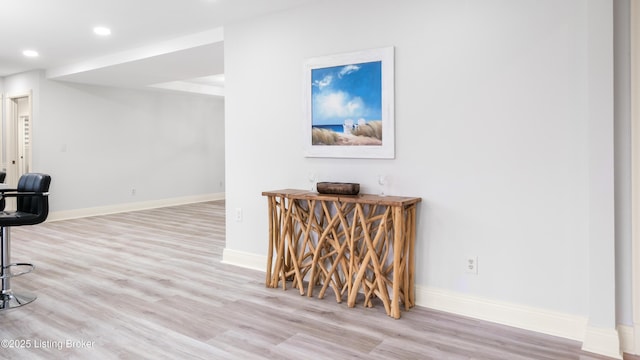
150	285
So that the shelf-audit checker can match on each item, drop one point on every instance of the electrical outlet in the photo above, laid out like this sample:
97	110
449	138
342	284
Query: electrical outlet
471	265
239	214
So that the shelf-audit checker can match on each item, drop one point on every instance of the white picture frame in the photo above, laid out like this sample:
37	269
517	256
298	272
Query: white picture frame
349	105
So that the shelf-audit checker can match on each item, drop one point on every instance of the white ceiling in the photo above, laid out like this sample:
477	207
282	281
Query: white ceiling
171	44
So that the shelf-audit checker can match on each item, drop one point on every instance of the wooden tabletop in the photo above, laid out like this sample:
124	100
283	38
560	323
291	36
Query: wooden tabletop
360	198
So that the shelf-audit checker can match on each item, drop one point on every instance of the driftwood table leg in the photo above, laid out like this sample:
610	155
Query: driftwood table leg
411	230
397	253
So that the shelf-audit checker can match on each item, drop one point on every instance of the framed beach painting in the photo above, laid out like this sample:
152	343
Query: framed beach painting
349	100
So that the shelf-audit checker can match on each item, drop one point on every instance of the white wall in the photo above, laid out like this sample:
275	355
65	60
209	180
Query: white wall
492	131
99	143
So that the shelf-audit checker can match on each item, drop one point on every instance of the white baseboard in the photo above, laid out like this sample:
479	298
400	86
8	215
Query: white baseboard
602	341
573	327
627	339
133	206
523	317
636	339
244	259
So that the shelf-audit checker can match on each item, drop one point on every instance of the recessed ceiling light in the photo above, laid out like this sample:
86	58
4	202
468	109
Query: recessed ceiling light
102	31
30	53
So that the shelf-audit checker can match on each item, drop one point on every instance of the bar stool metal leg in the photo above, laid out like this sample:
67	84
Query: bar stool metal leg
9	299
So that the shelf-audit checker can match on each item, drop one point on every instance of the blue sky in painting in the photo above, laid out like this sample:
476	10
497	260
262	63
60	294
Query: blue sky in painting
346	92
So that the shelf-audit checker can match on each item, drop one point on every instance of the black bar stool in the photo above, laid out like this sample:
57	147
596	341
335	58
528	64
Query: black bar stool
32	207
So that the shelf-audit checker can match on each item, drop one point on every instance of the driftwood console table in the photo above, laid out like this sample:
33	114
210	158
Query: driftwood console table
357	245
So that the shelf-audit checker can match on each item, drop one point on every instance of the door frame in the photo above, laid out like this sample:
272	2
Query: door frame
635	167
9	148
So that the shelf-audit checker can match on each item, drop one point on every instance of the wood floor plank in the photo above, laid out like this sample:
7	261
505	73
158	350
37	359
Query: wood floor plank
150	284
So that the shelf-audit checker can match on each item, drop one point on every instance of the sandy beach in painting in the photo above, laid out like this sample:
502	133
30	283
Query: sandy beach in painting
365	134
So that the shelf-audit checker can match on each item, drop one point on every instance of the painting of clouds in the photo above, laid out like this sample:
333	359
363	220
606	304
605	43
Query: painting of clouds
346	105
349	105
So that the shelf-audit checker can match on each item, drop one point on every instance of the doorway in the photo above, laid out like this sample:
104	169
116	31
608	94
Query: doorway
17	139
